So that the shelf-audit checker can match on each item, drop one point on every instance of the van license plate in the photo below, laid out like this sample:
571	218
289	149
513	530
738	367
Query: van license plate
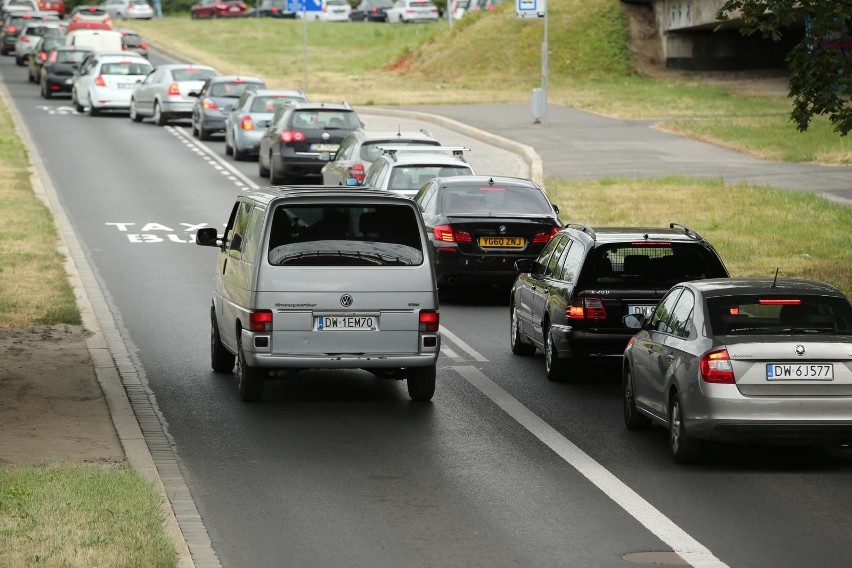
799	372
347	323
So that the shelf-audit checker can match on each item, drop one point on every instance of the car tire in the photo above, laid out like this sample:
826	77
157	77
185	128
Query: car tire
632	417
516	342
134	115
555	368
221	359
76	104
45	92
274	178
19	61
240	155
684	449
158	117
421	383
203	134
262	170
250	380
193	16
229	150
92	110
194	129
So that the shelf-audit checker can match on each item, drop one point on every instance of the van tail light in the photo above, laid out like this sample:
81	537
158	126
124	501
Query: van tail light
716	367
449	234
246	123
586	308
545	236
291	136
357	171
260	320
209	104
174	90
99	81
429	320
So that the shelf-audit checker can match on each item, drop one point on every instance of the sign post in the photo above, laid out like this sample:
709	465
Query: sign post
537	9
304	7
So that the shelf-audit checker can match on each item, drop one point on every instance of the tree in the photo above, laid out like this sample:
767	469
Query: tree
820	65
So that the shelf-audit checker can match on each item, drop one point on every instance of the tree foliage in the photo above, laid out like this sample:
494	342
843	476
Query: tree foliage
820	65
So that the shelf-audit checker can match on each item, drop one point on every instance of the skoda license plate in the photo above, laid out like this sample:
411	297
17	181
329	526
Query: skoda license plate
347	323
799	372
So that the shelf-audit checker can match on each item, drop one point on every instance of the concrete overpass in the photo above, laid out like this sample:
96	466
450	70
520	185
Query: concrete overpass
692	38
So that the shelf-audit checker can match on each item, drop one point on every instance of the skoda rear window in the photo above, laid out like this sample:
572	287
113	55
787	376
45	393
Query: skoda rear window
192	74
351	235
779	315
485	199
233	90
649	264
325	119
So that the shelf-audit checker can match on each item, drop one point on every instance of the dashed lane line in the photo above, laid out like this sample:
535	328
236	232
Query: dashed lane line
219	164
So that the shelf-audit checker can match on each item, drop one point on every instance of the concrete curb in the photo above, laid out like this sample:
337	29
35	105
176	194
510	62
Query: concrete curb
110	357
528	153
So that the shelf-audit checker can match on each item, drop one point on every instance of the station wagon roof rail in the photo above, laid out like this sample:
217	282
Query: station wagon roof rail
687	231
584	228
392	150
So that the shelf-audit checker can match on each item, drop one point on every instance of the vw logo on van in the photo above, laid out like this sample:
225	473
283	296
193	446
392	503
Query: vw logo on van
345	300
800	349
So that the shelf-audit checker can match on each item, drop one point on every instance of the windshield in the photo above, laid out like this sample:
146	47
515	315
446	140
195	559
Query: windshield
338	235
779	315
408	178
494	200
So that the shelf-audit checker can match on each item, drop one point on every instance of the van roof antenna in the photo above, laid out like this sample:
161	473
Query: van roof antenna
775	281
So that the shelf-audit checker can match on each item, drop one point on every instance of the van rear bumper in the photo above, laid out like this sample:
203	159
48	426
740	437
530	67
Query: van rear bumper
341	361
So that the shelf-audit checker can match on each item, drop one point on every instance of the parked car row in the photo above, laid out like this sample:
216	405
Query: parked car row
401	11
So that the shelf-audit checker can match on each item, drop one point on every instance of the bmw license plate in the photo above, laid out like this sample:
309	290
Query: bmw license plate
502	242
346	323
799	372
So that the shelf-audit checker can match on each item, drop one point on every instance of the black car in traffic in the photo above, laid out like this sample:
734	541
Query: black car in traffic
371	11
57	73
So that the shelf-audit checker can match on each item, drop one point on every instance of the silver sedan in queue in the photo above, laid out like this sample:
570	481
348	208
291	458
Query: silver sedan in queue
164	95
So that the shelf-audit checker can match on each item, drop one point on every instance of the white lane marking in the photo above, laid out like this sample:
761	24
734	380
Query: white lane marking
462	345
213	158
649	516
451	354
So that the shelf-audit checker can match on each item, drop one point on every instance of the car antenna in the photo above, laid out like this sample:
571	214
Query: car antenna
399	130
775	281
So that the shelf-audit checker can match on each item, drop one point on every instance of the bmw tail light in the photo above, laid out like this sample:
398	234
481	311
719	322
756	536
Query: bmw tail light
291	136
260	320
99	81
544	237
246	123
586	308
209	104
449	234
174	90
716	368
429	320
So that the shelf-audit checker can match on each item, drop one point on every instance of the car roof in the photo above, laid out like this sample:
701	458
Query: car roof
488	180
121	55
608	235
321	105
271	92
334	192
370	135
756	286
169	66
232	78
425	158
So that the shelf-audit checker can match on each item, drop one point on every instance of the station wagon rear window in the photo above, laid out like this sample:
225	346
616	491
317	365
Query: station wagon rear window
779	315
414	177
338	235
648	264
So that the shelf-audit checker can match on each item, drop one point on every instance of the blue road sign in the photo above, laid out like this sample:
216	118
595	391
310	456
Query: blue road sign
310	5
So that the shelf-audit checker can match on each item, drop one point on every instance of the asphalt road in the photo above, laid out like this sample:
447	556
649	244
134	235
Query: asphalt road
341	469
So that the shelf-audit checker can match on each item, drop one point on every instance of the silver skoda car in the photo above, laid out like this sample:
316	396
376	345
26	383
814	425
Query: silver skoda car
742	360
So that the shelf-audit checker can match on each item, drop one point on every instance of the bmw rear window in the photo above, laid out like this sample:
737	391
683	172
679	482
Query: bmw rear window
345	235
779	314
496	199
649	265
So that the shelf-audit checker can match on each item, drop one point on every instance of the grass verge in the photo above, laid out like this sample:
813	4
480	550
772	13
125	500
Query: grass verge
74	515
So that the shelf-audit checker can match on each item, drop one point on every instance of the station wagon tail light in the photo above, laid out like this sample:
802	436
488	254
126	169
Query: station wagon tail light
779	301
544	237
587	309
291	136
357	171
208	104
260	320
174	90
99	81
716	368
447	234
429	320
246	123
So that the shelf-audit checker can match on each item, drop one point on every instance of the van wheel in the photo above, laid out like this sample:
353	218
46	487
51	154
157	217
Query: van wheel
515	340
632	418
250	380
556	368
221	359
684	449
421	383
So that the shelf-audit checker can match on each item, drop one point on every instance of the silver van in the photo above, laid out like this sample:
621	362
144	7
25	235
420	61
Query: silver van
323	277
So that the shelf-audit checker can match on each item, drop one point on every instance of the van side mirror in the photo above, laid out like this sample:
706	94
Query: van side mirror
208	237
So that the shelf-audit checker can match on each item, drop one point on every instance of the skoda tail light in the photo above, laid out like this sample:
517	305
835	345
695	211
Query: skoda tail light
357	171
246	123
174	90
716	367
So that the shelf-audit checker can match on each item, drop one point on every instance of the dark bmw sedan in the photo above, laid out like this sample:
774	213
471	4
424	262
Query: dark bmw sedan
480	225
57	72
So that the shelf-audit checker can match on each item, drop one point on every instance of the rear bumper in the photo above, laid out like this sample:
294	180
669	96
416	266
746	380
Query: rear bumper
177	109
453	267
299	164
572	342
248	140
62	83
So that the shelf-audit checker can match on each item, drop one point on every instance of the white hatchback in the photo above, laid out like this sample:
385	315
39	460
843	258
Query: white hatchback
407	11
106	81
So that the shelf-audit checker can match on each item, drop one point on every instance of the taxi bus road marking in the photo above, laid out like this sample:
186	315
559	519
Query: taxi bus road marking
462	345
649	516
179	131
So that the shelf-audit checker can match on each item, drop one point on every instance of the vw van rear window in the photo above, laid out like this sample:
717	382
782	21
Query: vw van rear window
344	235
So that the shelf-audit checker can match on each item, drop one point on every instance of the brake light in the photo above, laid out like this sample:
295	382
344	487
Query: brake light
291	136
260	320
650	244
779	301
239	81
735	311
52	57
174	90
544	237
429	320
716	368
209	104
374	10
42	55
10	29
586	308
357	171
246	123
99	81
143	46
448	234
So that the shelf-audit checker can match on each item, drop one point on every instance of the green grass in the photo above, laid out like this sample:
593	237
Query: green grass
86	516
754	229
